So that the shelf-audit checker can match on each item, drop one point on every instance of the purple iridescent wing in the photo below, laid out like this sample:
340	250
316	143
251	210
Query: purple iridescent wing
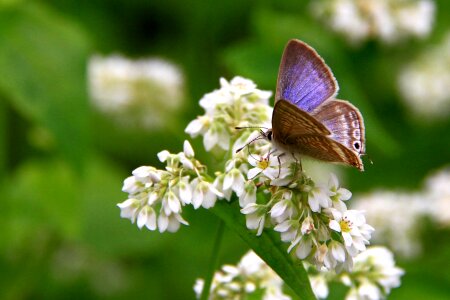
304	79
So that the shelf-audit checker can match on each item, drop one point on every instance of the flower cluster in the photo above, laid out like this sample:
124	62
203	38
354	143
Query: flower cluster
140	93
374	275
250	276
387	20
424	83
313	218
156	197
402	234
237	103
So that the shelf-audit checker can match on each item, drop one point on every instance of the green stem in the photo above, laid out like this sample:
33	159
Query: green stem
214	261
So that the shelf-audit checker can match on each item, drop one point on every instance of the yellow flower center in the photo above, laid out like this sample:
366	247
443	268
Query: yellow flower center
345	226
263	163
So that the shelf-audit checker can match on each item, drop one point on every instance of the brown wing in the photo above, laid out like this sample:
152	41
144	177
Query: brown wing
345	123
323	148
288	120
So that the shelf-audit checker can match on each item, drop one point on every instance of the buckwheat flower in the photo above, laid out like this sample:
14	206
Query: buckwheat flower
338	194
389	21
288	230
319	286
374	274
401	234
353	228
205	194
236	103
235	181
438	191
136	93
249	194
424	82
129	209
250	277
262	165
255	216
319	196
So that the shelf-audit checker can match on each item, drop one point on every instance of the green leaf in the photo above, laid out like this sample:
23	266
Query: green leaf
269	247
43	67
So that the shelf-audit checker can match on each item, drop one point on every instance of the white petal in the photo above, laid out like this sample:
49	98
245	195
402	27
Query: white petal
313	203
209	200
338	252
142	218
163	155
335	225
252	173
194	127
163	222
151	220
173	202
210	139
347	238
333	181
278	209
187	149
197	198
250	208
228	181
345	194
185	192
303	249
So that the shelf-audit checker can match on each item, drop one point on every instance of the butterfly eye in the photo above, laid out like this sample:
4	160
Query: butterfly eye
269	135
356	145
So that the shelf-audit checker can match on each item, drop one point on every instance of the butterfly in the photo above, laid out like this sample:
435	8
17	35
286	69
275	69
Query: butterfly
307	118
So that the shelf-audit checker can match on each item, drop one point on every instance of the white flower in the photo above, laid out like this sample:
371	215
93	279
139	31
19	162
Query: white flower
438	191
288	230
129	209
400	233
198	126
205	194
187	149
338	194
235	181
377	274
386	20
424	82
264	165
319	196
147	217
353	228
216	135
170	223
249	194
136	93
238	86
255	216
319	286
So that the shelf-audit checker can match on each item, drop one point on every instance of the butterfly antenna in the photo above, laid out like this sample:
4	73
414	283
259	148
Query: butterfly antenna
260	137
249	127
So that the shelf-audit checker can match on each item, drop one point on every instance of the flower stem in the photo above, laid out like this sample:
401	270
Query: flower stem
214	261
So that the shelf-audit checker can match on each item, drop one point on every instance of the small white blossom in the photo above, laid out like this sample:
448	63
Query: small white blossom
262	165
424	82
387	20
235	181
255	216
250	275
141	93
205	194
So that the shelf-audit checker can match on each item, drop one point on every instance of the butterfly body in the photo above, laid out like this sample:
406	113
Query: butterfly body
307	119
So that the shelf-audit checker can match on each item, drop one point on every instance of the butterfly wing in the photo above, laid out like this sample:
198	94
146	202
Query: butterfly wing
323	148
288	120
304	79
345	123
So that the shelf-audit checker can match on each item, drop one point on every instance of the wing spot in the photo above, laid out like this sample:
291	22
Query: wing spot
356	133
356	145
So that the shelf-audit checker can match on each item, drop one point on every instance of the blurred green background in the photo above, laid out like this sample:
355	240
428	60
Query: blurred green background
62	163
